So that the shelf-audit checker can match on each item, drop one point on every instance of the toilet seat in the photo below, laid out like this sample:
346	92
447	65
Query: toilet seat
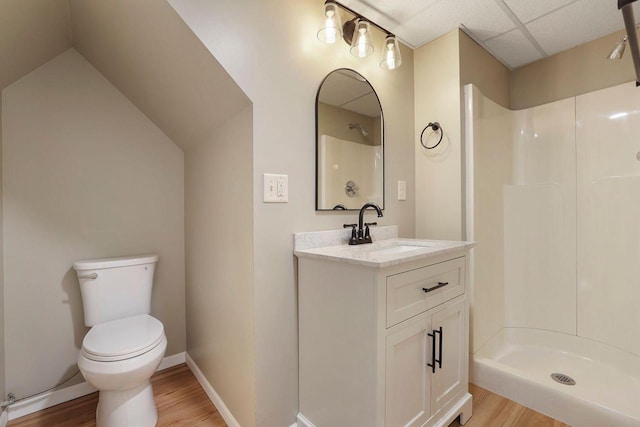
123	338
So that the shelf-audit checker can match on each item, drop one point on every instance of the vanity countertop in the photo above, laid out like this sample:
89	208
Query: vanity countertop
385	253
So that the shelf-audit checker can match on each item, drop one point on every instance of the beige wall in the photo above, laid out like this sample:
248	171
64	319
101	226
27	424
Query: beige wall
582	69
442	68
438	171
280	67
31	33
85	175
219	262
479	67
155	60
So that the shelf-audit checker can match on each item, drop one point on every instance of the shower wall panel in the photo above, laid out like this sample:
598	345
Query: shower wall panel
558	229
492	154
540	220
608	131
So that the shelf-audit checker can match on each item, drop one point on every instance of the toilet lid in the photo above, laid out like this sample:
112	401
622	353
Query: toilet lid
123	338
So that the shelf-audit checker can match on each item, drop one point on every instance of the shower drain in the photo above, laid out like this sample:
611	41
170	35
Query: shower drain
563	379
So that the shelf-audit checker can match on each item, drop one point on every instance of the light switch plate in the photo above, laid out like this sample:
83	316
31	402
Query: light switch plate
276	188
402	190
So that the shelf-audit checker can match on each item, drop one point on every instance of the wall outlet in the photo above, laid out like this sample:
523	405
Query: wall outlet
402	190
276	188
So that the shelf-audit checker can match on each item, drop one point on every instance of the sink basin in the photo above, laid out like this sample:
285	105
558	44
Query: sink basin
396	249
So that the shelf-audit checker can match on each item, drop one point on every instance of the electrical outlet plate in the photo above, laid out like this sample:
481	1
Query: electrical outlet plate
276	188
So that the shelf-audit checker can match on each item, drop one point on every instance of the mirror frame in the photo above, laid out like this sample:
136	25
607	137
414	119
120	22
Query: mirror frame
382	140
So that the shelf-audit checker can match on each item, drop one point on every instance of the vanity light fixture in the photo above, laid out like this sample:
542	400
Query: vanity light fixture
357	33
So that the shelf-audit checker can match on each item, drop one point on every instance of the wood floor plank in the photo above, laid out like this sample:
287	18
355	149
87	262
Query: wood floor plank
179	398
490	409
182	402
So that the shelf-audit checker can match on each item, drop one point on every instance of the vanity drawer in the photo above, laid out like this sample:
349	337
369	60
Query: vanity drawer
412	292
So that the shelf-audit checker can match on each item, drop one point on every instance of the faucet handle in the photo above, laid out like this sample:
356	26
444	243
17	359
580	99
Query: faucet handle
354	235
367	235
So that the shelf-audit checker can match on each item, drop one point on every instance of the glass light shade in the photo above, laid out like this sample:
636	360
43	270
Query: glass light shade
361	44
391	58
331	30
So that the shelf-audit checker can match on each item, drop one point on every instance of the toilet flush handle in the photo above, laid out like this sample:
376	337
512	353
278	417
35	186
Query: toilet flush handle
91	276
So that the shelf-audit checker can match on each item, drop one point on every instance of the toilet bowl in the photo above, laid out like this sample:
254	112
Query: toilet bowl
125	344
118	358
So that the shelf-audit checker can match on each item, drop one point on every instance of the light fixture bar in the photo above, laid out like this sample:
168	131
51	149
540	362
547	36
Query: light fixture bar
357	15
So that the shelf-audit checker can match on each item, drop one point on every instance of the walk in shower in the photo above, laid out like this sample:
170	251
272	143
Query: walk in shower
553	202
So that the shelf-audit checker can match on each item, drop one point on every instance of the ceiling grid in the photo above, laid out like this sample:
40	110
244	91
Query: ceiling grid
516	32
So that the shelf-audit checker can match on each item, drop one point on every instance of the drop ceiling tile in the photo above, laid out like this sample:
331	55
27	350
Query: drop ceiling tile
367	105
577	23
513	48
483	18
527	10
389	13
343	89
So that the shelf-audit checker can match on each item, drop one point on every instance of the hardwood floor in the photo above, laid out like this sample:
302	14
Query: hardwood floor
492	410
182	402
179	398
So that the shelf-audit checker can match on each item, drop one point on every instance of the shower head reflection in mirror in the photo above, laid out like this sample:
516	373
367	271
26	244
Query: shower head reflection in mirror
363	131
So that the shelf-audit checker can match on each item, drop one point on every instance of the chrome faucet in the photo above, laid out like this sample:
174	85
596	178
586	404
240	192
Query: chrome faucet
362	235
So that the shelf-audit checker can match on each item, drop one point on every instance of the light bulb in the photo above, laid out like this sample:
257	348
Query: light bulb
391	58
331	30
361	44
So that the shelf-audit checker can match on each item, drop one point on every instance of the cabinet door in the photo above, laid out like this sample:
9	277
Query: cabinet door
407	377
448	379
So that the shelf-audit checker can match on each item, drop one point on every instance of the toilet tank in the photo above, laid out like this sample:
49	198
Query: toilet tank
113	288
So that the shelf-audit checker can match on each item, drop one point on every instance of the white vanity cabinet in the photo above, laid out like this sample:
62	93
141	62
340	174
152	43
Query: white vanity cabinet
383	342
416	391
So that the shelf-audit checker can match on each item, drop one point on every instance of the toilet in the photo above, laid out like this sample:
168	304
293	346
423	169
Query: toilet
125	345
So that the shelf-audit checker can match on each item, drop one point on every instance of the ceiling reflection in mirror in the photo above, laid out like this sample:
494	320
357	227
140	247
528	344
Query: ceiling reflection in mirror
349	143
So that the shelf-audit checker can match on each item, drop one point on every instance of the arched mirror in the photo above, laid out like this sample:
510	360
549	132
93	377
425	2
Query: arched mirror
349	143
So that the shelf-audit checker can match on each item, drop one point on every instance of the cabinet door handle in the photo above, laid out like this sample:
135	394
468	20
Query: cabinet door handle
433	352
439	360
438	286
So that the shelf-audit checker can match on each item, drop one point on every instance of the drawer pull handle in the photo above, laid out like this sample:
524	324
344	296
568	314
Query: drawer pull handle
438	286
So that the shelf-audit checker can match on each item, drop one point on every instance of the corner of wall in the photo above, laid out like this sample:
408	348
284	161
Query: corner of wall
2	311
219	301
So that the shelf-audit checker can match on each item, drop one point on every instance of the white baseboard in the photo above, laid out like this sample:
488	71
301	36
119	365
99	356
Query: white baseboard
213	396
47	400
4	418
171	361
52	398
303	421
